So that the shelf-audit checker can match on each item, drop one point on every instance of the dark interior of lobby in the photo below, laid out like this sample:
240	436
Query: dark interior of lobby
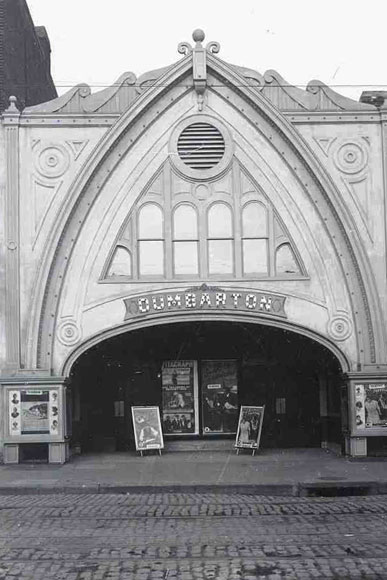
277	368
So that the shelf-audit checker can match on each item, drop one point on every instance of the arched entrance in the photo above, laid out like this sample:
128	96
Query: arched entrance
296	378
182	199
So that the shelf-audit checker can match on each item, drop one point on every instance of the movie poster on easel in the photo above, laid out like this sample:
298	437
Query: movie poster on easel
249	428
147	428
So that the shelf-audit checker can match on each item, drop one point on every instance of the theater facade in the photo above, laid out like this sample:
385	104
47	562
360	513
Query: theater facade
198	238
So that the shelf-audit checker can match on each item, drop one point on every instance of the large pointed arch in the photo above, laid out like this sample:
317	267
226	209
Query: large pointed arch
258	112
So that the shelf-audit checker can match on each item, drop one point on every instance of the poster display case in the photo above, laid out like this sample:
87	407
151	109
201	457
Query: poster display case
35	413
368	408
180	398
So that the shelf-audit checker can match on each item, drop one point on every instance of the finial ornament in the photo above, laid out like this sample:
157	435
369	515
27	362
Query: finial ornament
198	36
12	105
199	61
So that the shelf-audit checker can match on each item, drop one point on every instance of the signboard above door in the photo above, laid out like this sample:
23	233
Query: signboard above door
205	298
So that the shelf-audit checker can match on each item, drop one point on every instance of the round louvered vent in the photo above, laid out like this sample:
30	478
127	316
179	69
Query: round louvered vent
201	146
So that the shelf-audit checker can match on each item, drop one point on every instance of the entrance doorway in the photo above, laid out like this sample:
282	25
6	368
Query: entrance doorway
199	397
297	379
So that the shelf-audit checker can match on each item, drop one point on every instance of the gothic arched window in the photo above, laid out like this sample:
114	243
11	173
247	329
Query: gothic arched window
254	239
181	230
120	264
285	261
185	241
220	239
150	240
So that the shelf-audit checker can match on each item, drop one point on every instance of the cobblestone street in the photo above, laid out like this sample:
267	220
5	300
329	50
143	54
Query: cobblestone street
191	536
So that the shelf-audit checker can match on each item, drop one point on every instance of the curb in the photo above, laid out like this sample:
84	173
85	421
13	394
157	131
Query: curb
342	489
302	489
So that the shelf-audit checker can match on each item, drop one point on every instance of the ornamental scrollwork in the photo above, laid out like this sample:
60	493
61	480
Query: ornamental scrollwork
213	47
184	48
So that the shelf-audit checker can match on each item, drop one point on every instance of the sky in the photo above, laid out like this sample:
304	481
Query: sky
339	42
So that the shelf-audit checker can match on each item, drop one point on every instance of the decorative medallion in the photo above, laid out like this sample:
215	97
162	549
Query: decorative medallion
340	327
202	192
69	332
350	157
52	161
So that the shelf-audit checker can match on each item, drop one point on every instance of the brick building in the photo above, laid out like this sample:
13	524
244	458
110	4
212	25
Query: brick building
24	57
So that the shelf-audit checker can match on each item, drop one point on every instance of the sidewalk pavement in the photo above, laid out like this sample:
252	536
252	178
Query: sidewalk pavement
203	468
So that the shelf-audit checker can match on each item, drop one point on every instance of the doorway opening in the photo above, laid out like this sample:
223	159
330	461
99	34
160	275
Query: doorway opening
297	379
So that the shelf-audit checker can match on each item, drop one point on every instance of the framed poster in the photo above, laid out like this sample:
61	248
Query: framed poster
370	407
147	428
33	412
249	428
219	396
179	397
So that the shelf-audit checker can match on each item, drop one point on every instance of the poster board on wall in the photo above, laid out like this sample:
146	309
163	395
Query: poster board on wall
34	412
179	398
369	408
249	427
147	428
219	379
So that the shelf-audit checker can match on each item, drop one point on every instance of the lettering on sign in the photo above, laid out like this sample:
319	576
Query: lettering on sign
205	298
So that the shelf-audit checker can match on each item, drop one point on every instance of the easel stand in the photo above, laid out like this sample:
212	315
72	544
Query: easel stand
249	430
253	449
143	450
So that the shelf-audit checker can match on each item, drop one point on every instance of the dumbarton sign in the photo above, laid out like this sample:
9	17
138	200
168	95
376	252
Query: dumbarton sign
205	298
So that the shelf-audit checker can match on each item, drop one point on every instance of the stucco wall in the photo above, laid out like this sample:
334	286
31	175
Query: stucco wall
96	307
353	156
85	161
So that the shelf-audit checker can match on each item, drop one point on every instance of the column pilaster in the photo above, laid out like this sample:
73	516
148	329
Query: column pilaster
10	120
